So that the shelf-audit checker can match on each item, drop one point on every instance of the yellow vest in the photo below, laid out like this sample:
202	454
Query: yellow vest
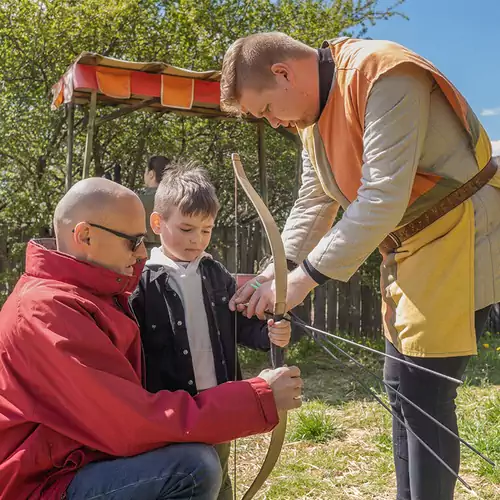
428	285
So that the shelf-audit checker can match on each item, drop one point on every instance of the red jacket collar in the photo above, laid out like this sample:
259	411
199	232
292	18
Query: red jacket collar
45	262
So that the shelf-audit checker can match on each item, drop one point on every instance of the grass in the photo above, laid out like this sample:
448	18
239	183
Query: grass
339	445
314	423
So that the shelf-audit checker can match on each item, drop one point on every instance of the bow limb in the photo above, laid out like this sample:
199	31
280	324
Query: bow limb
277	353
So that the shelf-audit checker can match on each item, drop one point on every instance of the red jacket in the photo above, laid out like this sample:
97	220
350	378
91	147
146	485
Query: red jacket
70	382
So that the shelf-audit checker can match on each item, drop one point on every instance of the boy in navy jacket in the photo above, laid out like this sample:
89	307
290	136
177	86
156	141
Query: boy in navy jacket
188	332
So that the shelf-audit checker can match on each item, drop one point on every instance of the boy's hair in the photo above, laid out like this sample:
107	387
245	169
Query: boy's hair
159	165
186	185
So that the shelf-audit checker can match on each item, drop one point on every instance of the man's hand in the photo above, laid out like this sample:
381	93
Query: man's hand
299	285
259	299
240	299
286	385
279	332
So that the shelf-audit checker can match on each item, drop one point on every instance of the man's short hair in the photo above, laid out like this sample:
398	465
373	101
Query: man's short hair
186	185
248	62
158	164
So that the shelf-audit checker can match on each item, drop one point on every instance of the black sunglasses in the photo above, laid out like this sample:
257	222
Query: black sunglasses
136	241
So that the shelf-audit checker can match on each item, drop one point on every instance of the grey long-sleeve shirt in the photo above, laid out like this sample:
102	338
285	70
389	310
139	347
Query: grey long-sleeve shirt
408	123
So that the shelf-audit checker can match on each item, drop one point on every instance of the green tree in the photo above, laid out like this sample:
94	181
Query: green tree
39	39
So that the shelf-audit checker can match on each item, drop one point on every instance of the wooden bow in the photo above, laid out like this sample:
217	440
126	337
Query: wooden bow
277	353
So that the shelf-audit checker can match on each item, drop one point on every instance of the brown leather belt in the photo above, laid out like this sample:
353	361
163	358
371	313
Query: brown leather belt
465	191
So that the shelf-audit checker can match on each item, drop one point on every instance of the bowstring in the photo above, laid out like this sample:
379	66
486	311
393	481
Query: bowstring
236	264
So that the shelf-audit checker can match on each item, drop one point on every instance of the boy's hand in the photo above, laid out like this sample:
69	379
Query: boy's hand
279	332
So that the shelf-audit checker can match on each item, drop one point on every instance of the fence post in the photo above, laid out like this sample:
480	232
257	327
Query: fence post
354	305
319	309
343	316
367	324
303	311
331	306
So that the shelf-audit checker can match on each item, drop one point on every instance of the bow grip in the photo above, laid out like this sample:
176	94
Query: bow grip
277	356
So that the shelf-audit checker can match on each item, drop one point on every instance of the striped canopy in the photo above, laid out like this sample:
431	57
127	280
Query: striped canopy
155	85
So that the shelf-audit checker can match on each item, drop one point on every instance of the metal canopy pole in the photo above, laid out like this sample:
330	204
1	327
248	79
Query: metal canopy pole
90	135
70	120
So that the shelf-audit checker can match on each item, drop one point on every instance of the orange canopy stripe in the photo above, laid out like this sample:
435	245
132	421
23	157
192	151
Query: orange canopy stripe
113	82
177	92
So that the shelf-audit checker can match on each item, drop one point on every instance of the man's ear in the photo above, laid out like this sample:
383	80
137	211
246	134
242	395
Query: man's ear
154	222
283	73
81	234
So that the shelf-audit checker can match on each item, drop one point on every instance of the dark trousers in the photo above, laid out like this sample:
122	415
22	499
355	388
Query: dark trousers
419	475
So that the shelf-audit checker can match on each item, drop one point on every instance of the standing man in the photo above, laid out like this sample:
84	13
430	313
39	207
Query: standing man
152	177
391	140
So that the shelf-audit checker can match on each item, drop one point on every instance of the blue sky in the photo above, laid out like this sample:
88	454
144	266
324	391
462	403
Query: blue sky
462	38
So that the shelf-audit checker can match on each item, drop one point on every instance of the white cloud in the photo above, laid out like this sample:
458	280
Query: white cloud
496	148
490	112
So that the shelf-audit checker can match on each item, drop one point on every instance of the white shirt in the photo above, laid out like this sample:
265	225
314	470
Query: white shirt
185	280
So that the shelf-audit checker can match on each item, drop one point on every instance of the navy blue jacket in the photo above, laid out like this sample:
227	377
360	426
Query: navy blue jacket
160	314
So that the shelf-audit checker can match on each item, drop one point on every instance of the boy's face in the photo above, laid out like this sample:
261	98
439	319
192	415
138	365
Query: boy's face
183	237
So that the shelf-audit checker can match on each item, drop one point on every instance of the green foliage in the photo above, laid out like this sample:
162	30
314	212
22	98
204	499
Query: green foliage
40	39
485	367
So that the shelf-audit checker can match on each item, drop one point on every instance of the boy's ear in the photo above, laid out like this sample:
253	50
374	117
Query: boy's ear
154	222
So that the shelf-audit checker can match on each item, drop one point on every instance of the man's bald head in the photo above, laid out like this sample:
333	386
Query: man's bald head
90	199
105	203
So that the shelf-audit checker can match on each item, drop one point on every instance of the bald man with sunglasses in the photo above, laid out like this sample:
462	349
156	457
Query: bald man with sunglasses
75	420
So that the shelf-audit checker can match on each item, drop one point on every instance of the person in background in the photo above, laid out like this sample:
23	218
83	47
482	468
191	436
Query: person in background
152	176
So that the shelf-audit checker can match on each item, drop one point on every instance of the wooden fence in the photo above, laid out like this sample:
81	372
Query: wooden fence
352	307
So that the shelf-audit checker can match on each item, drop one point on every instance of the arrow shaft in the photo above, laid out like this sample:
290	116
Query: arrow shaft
379	353
403	423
